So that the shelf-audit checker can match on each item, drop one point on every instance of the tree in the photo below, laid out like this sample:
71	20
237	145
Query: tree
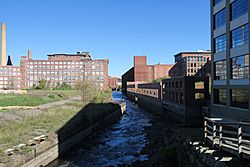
42	84
88	90
160	79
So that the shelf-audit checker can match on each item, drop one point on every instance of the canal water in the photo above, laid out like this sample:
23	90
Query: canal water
117	144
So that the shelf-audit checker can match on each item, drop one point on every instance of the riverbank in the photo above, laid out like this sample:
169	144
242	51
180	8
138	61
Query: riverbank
171	145
165	146
26	133
74	125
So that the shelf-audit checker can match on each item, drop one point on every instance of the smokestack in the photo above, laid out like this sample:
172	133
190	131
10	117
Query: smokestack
29	54
9	62
3	45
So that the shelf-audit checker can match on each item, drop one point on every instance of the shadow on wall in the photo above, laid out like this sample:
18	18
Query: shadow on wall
91	118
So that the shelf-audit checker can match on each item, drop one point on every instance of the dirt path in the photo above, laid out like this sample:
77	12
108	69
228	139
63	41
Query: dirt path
18	115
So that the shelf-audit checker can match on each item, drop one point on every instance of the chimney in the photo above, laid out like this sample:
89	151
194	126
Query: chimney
29	54
3	45
9	62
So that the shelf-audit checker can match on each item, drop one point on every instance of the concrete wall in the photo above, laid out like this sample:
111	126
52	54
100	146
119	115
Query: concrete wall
150	104
50	149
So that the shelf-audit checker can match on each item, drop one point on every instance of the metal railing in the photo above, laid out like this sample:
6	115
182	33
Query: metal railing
233	137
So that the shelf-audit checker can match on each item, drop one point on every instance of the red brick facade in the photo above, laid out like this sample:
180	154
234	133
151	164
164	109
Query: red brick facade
143	73
191	64
148	73
114	82
59	68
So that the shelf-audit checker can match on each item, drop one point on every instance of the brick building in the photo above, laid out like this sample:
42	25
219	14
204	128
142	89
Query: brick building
185	96
114	82
192	63
58	68
141	72
10	77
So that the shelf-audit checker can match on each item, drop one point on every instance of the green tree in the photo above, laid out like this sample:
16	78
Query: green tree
88	90
42	84
160	79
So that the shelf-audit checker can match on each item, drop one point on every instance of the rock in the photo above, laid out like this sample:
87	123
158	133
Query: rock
9	151
210	161
220	164
21	145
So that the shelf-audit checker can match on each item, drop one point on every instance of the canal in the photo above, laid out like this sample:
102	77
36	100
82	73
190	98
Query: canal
117	144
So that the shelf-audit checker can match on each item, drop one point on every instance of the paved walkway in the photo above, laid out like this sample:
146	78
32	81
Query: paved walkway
18	115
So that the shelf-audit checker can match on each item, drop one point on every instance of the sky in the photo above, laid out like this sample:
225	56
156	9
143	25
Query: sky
109	29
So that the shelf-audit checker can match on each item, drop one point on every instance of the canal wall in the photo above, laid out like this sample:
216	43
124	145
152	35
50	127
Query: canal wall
47	148
151	104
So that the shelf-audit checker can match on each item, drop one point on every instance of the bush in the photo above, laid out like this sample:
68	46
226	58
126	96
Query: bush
51	96
88	90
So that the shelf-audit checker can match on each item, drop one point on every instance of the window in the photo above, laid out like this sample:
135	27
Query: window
217	1
239	98
240	67
239	36
199	85
220	43
220	70
238	8
199	96
220	96
220	19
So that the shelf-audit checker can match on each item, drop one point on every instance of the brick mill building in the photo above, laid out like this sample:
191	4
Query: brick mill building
114	82
192	64
143	73
59	68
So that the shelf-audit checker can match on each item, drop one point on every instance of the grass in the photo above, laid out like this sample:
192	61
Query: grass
36	97
103	97
14	133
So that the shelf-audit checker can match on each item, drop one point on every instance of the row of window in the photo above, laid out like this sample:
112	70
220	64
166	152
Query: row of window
195	65
239	37
10	74
64	62
62	72
177	84
238	97
239	68
191	70
174	97
237	9
8	78
55	83
3	69
63	66
200	58
9	86
64	77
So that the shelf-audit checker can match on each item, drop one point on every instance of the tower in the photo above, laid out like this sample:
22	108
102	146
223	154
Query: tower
3	45
29	54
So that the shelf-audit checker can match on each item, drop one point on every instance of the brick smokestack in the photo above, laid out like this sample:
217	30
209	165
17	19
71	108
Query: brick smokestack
29	54
3	45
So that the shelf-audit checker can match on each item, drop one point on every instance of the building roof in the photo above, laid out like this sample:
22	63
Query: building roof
197	52
85	54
